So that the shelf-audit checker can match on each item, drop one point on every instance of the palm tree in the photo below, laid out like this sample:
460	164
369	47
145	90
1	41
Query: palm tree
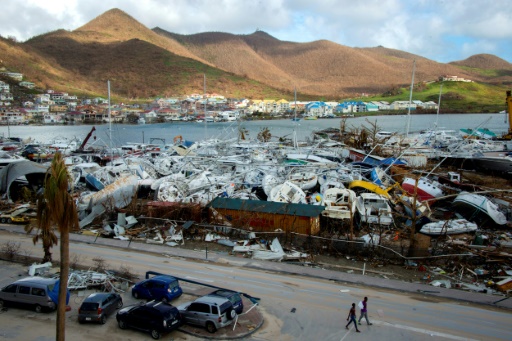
45	231
56	208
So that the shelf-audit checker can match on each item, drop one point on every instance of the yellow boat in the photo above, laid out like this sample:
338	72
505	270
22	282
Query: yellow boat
370	186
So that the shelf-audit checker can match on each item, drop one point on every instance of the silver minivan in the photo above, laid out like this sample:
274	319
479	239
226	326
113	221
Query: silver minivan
36	292
208	311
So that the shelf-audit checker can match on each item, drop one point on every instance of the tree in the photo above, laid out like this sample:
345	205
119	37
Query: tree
45	231
264	135
56	208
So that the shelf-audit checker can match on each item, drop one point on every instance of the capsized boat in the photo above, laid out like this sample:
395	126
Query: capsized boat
370	186
288	192
425	188
479	204
453	226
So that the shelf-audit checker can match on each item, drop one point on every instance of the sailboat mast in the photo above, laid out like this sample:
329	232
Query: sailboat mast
408	124
205	121
110	123
295	144
438	106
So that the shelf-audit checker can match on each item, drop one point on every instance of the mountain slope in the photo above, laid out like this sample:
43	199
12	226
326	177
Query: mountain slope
146	63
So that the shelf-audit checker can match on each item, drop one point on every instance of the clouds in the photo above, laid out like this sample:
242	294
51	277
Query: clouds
439	30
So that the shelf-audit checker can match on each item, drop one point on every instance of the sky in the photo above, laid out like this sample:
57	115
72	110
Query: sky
440	30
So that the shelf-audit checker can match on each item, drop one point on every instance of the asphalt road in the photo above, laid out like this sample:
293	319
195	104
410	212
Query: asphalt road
303	308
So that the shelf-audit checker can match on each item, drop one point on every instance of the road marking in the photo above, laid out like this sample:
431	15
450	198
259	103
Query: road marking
344	290
423	331
348	332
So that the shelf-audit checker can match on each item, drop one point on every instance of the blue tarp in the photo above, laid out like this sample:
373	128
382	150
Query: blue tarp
54	294
392	160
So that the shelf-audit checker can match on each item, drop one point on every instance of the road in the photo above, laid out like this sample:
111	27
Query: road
303	308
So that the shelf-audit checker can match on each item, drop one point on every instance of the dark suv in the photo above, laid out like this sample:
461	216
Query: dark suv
154	317
97	306
233	296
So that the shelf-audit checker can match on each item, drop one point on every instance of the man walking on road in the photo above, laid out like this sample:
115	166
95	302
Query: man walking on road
364	311
352	317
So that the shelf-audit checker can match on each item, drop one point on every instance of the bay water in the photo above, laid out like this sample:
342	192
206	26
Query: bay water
119	134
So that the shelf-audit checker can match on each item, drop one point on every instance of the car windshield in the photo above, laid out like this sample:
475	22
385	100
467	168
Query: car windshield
234	298
170	314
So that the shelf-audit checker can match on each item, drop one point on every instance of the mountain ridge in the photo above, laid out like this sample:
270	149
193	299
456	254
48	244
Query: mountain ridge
152	62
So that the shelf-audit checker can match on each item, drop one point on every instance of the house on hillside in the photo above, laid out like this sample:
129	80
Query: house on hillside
282	106
13	75
371	106
4	87
6	96
12	117
318	109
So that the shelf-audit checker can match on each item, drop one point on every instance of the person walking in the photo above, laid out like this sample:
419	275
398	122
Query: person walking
352	317
364	311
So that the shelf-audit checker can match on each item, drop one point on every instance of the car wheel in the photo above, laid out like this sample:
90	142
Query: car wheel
210	327
2	304
80	321
120	304
38	308
155	334
231	314
122	324
136	294
103	319
3	220
9	221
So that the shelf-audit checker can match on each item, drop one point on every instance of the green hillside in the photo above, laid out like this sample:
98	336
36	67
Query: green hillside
456	96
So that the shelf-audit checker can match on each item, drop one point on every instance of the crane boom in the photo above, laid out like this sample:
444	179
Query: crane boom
82	146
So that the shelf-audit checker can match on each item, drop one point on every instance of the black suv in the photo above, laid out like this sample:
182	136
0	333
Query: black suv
154	317
233	296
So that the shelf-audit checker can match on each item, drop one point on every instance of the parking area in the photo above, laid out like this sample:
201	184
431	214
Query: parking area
19	323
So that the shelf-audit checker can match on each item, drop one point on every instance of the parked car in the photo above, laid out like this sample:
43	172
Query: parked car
154	317
38	293
210	312
161	288
96	307
234	297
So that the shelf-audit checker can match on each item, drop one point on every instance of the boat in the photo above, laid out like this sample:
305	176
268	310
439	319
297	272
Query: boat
372	208
288	192
453	226
141	120
472	205
369	186
305	180
424	188
500	162
339	203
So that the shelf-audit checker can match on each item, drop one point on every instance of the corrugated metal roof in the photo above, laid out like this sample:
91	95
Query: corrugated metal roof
301	210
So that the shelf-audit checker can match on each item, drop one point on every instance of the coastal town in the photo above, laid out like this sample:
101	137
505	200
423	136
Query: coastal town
58	107
240	170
